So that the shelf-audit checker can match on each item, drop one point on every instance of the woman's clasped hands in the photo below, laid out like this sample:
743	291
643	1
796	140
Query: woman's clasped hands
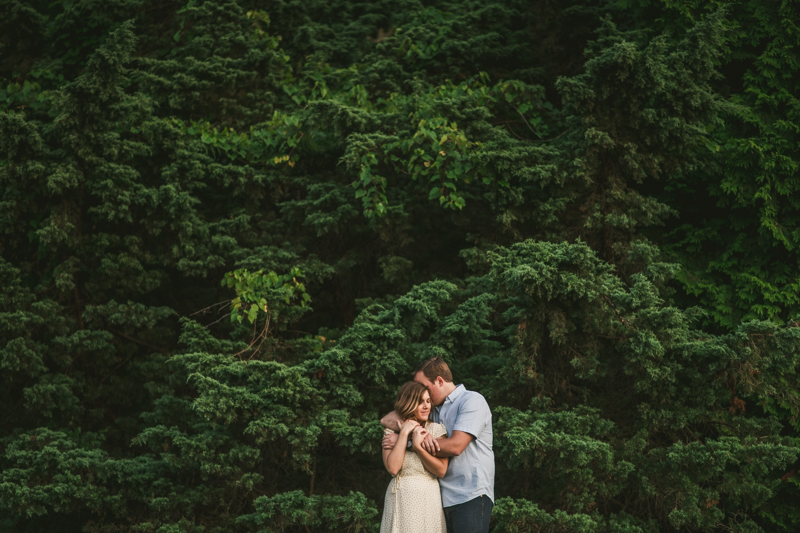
412	428
407	427
418	437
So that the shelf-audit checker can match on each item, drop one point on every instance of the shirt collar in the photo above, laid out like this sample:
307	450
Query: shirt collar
459	390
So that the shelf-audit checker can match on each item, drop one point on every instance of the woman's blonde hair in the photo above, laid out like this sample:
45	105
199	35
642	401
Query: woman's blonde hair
408	399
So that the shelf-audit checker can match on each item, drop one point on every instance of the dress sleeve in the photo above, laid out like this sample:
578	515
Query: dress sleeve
437	430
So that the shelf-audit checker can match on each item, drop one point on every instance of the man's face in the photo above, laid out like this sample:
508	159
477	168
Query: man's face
435	387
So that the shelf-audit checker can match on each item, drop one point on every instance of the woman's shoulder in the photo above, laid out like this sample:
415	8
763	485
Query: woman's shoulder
436	429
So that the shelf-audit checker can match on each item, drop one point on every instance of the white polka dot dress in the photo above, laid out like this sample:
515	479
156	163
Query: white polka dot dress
413	501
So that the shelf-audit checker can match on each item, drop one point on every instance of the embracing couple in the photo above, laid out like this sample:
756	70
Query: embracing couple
438	430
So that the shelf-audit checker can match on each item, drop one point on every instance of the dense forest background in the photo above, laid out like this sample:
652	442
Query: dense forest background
229	229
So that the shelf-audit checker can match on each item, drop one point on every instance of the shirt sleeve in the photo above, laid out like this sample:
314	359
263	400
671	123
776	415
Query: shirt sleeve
473	415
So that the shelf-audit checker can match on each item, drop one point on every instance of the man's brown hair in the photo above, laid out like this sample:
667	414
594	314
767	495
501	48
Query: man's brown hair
433	368
408	399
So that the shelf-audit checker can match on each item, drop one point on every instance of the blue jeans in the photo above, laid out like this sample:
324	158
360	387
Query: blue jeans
469	517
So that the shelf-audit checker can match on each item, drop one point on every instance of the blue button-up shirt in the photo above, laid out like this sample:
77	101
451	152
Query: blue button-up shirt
470	474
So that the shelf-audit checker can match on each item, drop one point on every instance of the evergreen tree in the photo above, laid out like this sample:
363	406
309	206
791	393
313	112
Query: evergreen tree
229	229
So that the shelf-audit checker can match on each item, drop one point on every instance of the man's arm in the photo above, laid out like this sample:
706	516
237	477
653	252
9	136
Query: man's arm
451	447
392	421
389	441
471	419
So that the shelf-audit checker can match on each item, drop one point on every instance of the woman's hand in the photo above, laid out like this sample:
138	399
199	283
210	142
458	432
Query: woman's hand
407	427
418	437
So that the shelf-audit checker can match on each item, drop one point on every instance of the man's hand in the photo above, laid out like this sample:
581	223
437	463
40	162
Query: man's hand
429	444
389	440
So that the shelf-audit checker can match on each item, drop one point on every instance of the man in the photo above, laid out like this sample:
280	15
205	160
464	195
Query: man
468	486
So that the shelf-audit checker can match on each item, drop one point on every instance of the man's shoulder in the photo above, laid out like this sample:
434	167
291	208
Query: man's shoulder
472	395
473	398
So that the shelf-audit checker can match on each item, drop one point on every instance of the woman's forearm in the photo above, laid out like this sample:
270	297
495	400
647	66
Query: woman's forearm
434	465
394	459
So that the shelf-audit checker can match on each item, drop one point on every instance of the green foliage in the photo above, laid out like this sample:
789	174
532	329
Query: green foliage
265	291
632	447
332	513
737	234
492	183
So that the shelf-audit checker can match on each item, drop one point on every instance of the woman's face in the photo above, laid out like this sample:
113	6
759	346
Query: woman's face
424	408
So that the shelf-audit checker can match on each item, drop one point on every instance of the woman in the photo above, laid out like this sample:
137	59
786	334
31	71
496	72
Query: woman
413	502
